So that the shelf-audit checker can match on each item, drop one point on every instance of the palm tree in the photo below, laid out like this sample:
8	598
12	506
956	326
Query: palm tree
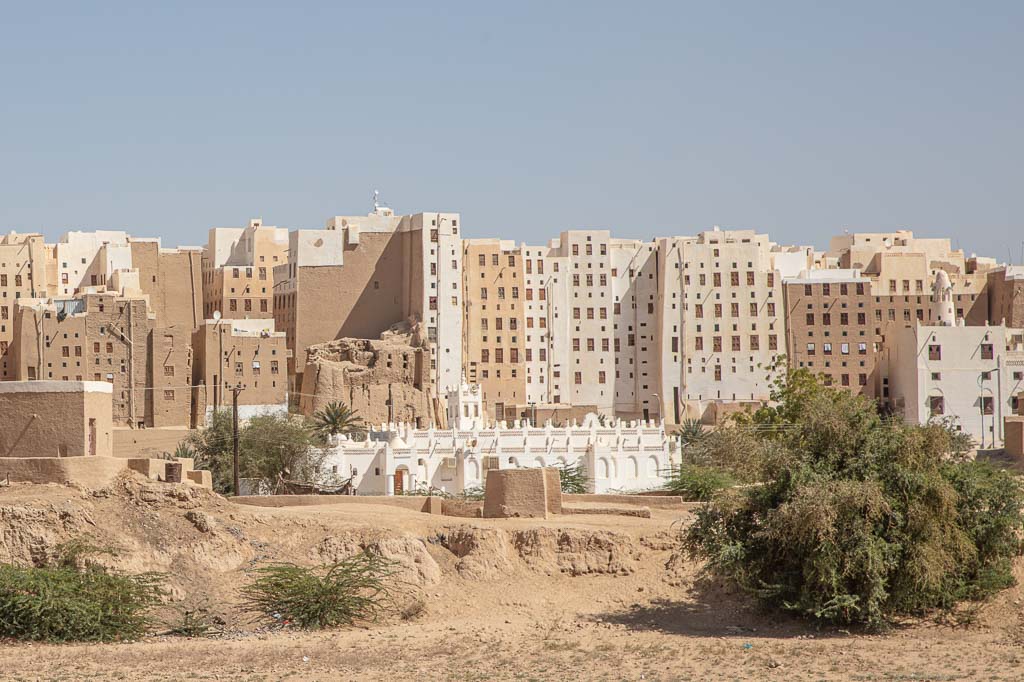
335	418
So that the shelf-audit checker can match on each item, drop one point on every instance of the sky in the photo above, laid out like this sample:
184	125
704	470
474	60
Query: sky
802	119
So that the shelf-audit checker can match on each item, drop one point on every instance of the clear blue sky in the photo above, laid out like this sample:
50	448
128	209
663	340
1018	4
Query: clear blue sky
528	118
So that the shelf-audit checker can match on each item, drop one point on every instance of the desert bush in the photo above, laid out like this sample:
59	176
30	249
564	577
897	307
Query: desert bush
697	482
572	478
343	593
856	518
473	493
75	600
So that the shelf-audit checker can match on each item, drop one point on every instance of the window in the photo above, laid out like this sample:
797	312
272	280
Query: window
826	348
601	377
169	395
578	377
934	352
736	343
826	290
482	260
773	342
716	344
716	279
433	302
698	310
513	355
168	370
590	345
755	342
698	343
499	355
987	404
810	319
810	349
986	351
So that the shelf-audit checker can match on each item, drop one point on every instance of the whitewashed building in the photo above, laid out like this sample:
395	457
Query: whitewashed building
973	375
620	455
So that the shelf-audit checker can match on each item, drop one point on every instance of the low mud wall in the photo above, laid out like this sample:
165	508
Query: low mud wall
655	501
411	502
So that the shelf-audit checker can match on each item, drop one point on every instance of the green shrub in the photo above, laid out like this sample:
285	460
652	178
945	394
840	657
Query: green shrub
697	482
572	478
343	593
857	519
64	603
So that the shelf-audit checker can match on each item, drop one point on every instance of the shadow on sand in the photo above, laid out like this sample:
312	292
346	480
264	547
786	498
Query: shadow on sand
711	610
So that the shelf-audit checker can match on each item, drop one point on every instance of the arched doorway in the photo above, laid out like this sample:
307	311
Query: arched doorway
401	480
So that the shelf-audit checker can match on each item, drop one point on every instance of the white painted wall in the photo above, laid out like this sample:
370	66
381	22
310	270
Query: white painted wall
623	456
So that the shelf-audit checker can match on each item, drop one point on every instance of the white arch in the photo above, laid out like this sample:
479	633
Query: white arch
632	467
602	468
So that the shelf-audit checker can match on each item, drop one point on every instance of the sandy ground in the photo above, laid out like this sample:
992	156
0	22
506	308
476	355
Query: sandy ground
606	600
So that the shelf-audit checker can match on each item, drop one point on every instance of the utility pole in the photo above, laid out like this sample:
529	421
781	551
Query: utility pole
235	390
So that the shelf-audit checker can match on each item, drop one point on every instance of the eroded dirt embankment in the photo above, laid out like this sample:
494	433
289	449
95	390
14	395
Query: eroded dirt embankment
206	545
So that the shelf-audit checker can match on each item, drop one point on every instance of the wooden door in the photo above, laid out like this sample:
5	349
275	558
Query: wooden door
399	482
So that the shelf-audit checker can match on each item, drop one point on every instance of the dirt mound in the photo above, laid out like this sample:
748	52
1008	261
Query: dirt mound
413	564
206	546
489	553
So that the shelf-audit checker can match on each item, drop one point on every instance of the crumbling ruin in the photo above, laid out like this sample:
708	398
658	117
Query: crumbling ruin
381	380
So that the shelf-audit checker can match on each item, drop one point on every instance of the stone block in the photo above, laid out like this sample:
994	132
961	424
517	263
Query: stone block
202	478
526	493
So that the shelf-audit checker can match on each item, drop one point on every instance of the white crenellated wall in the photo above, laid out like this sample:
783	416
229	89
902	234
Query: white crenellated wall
620	456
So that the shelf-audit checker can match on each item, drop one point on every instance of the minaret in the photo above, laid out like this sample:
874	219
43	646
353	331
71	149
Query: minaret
943	310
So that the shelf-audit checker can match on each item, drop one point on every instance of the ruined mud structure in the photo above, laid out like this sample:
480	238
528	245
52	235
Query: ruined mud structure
381	380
